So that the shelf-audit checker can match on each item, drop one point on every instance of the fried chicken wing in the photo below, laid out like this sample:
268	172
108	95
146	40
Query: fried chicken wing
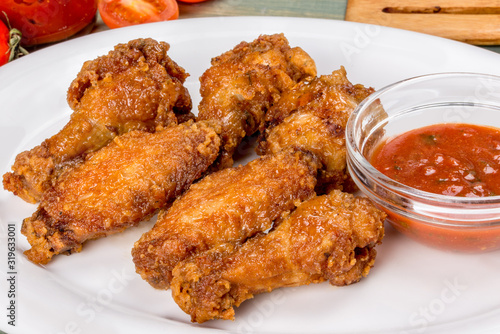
232	204
243	83
331	237
134	87
119	186
312	116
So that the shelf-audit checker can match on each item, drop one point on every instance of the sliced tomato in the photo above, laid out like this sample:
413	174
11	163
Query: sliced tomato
45	21
192	1
121	13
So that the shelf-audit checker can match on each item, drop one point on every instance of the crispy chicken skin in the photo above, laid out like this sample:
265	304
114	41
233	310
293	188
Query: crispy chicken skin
243	83
312	116
232	204
134	87
119	186
330	237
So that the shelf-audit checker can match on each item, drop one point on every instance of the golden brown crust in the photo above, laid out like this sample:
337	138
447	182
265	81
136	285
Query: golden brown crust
325	139
145	54
243	83
331	237
119	186
312	116
230	205
134	87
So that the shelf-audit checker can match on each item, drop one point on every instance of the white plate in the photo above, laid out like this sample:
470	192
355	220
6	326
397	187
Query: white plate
411	289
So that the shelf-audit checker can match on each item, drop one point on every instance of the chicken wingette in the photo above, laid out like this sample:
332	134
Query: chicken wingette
232	204
119	186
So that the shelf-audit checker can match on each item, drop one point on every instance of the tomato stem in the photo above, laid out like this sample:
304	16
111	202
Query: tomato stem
15	48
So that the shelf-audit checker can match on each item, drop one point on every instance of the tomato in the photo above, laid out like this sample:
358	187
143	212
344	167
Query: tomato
121	13
45	21
192	1
4	44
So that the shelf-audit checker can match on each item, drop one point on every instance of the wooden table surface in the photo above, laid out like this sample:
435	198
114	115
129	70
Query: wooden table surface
329	9
325	9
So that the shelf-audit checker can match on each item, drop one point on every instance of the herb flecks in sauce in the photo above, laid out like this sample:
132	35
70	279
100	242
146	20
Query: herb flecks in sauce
448	159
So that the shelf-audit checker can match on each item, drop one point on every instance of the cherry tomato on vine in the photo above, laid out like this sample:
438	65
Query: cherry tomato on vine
45	21
121	13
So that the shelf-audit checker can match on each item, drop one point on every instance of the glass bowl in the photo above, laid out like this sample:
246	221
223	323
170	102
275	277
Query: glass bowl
467	224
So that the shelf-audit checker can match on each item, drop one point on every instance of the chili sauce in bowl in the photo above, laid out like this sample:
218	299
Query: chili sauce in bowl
448	159
427	151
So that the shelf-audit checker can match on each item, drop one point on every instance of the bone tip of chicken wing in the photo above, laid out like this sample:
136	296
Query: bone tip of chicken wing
40	251
217	301
30	175
45	242
16	185
153	270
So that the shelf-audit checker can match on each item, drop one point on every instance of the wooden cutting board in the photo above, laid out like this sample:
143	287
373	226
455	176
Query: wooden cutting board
471	21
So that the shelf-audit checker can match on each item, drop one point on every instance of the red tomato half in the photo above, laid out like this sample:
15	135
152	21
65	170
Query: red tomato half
4	44
45	21
192	1
121	13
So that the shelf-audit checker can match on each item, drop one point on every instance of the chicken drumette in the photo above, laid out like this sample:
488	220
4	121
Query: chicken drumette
243	83
312	116
134	87
328	238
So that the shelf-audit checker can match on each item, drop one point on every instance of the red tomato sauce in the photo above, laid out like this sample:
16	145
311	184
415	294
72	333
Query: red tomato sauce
448	159
448	238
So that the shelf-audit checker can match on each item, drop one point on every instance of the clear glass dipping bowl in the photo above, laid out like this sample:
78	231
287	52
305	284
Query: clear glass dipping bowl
453	223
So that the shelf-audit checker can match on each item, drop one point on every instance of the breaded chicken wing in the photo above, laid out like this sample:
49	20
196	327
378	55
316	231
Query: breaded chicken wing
243	83
119	186
134	87
331	237
312	116
232	204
